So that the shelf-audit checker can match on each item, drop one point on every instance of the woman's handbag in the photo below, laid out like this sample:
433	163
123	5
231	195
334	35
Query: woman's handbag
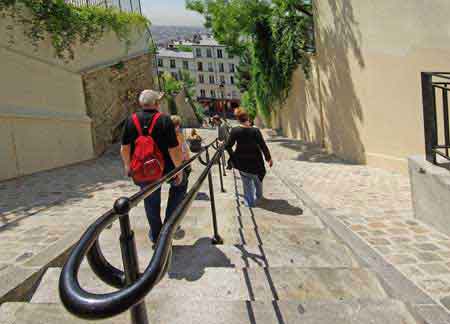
195	145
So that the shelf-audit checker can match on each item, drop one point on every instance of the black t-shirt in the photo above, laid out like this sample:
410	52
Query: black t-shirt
163	133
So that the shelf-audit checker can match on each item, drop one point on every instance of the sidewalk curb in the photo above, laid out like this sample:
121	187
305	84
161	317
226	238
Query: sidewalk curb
396	284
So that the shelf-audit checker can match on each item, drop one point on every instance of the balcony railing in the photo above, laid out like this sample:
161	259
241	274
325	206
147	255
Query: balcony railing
122	5
435	93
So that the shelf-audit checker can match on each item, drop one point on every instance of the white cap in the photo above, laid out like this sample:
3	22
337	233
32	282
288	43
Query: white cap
150	97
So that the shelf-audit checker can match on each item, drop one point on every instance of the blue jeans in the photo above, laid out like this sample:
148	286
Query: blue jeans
152	205
253	188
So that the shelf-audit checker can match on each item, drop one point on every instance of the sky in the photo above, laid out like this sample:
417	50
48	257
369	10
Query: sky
170	12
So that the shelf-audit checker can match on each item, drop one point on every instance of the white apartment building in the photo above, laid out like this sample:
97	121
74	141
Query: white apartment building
210	65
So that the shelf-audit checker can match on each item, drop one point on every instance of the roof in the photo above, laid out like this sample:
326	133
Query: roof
162	52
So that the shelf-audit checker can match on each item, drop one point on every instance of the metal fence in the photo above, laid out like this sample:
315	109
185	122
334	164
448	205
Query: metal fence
122	5
435	93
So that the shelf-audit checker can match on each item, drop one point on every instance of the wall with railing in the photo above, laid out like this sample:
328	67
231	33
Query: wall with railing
435	94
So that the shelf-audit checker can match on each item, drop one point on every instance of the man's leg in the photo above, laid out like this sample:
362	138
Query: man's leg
176	196
153	211
249	190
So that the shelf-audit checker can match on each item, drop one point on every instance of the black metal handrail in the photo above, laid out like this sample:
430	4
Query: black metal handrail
436	84
134	286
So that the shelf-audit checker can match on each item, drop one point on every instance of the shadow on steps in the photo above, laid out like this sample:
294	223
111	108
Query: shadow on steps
279	206
190	261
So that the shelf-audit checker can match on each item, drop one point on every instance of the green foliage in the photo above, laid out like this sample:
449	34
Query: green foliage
171	86
184	48
249	103
67	25
272	38
199	112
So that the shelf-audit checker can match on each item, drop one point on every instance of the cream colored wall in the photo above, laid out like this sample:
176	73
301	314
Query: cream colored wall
43	117
43	122
369	58
107	50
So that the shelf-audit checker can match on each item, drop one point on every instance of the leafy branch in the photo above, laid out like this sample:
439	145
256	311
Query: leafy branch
67	25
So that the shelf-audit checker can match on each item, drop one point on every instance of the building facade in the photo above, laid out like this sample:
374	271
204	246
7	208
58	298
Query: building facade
213	68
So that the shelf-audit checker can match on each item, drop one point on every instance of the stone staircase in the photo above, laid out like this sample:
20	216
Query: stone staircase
278	264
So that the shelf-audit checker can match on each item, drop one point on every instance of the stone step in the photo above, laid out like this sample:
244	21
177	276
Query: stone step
231	235
200	216
181	311
203	254
275	283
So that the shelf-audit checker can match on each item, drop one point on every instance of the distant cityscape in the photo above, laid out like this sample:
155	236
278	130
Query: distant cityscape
162	35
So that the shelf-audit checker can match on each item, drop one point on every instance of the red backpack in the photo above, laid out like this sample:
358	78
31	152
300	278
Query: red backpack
147	163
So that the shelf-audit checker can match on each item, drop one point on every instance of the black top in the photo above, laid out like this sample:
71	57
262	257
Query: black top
248	155
163	134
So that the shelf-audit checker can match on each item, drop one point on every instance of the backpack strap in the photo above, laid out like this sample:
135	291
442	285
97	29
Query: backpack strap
152	125
137	124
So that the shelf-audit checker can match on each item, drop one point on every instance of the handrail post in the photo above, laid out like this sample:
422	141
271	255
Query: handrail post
216	239
129	257
429	116
222	189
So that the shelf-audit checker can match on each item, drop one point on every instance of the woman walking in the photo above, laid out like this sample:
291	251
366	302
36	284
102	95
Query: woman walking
248	157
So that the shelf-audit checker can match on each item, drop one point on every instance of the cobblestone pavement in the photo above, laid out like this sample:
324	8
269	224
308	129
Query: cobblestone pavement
374	203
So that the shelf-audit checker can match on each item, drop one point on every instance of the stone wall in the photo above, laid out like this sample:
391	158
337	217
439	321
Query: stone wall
112	95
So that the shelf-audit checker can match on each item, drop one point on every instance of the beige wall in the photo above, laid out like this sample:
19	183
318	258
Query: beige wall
367	77
44	120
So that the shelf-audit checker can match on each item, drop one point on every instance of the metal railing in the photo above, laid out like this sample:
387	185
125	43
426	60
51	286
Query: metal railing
435	94
122	5
133	286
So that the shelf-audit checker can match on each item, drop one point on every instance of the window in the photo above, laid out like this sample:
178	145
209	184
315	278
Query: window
201	78
222	79
222	95
202	93
210	67
232	69
175	75
232	79
198	52
186	65
230	56
172	64
160	62
200	66
208	52
213	94
221	67
219	53
211	79
234	93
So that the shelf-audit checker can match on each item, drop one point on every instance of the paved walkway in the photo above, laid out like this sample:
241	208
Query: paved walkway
376	205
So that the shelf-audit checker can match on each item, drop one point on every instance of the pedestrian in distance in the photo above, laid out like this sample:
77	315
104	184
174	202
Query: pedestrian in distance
248	157
150	150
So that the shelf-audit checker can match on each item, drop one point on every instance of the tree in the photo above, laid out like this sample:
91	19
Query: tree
171	88
272	38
